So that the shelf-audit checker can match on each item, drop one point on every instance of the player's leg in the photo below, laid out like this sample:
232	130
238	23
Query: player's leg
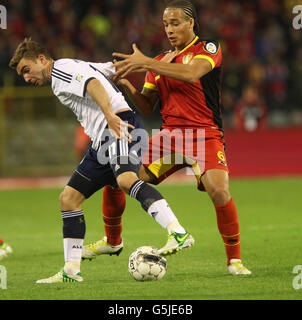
216	184
80	187
114	203
150	199
74	229
157	207
113	207
125	161
154	170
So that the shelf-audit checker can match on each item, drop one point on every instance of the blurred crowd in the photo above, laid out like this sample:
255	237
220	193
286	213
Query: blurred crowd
261	49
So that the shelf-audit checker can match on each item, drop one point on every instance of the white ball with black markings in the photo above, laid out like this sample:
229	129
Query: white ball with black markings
145	264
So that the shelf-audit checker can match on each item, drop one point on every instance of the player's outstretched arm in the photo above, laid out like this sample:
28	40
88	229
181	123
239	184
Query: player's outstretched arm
137	61
116	125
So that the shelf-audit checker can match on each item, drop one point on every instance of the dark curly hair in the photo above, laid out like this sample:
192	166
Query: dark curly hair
188	9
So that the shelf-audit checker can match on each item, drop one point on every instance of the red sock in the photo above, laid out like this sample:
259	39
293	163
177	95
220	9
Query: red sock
114	202
228	226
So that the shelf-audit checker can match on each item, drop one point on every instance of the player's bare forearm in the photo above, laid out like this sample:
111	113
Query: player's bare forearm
137	61
100	96
141	101
115	124
183	72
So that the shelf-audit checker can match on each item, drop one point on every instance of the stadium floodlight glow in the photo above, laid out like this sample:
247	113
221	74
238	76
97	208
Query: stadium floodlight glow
3	17
297	21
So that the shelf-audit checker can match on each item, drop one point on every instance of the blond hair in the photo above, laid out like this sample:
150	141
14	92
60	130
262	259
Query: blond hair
27	49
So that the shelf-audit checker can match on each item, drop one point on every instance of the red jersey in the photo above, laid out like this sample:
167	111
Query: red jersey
191	105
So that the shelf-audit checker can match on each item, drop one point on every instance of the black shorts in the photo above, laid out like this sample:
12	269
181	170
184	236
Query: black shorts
101	167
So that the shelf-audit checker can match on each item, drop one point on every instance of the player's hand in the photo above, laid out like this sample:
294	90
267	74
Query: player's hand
131	62
116	79
119	81
118	128
169	56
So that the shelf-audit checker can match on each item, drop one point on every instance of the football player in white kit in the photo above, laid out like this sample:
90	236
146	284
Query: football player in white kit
113	159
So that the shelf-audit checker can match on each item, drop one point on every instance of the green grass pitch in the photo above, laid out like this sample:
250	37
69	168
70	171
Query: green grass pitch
270	224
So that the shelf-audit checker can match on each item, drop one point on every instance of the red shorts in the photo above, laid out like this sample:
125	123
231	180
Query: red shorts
173	149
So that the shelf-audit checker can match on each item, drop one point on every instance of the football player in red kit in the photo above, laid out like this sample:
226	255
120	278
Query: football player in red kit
187	81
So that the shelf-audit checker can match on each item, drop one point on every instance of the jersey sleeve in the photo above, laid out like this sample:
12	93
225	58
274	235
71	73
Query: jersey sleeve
151	77
150	81
72	77
107	68
210	51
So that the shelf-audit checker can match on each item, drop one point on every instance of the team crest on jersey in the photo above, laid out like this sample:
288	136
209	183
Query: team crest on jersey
211	47
79	78
187	58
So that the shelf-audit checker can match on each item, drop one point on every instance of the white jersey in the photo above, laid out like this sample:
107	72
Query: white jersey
69	81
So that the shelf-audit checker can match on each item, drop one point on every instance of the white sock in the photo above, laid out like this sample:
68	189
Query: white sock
72	268
73	253
175	226
161	212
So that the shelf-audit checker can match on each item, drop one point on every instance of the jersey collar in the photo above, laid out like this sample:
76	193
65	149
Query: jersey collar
189	45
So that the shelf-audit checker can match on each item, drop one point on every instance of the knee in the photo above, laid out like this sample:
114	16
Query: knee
70	199
65	199
123	185
220	195
126	180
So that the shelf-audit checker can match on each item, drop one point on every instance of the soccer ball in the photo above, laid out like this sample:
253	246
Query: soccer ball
145	264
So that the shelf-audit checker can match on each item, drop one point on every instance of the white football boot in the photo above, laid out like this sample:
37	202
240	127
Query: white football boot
62	276
5	249
176	242
236	267
91	251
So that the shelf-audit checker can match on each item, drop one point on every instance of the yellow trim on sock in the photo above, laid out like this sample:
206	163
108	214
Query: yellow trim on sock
232	245
111	218
230	236
112	225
